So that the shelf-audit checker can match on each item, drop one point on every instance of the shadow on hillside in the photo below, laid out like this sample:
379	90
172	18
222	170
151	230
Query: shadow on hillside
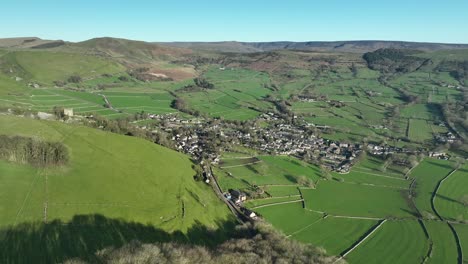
446	198
57	241
446	166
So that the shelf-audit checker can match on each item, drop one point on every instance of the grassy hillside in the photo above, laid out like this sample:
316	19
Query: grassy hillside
115	176
47	67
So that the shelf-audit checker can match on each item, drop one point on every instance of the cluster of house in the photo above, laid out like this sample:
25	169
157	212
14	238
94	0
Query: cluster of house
439	155
382	150
443	138
198	138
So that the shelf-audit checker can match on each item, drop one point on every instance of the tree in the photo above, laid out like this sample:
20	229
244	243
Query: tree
304	181
74	79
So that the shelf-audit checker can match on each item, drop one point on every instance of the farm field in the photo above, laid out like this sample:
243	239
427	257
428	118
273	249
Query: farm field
338	213
101	179
444	248
449	197
289	218
236	94
419	130
335	234
427	175
357	200
398	241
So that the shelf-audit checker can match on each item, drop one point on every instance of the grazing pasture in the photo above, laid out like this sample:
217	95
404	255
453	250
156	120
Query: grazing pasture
347	199
393	242
427	175
450	199
444	245
335	234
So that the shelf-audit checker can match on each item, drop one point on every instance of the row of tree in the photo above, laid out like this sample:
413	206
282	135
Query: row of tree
31	151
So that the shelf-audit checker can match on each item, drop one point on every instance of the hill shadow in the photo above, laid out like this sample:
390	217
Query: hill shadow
84	235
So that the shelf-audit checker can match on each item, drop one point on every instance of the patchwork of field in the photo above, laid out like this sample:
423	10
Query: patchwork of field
361	216
237	94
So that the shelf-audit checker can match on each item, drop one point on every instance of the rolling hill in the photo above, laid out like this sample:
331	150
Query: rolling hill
111	175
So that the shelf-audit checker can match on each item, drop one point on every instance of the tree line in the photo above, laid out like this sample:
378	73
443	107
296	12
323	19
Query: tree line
27	150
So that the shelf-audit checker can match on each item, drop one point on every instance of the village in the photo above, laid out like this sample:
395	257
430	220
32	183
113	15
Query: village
207	139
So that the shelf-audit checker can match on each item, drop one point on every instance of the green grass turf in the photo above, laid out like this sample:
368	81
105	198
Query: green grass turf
444	249
357	200
394	242
448	200
427	174
108	174
288	218
335	234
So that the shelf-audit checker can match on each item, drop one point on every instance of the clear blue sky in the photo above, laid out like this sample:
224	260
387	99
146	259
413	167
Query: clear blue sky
242	20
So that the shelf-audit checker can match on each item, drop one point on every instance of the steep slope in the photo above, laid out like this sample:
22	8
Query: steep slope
111	175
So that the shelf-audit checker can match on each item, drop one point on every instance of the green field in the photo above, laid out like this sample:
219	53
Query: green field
444	248
102	179
419	130
427	176
449	197
289	218
393	242
335	234
357	200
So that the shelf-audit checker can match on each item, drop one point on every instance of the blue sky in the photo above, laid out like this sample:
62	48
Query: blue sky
241	20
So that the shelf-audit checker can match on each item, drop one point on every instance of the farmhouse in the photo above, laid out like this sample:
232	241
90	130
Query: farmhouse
68	112
237	196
